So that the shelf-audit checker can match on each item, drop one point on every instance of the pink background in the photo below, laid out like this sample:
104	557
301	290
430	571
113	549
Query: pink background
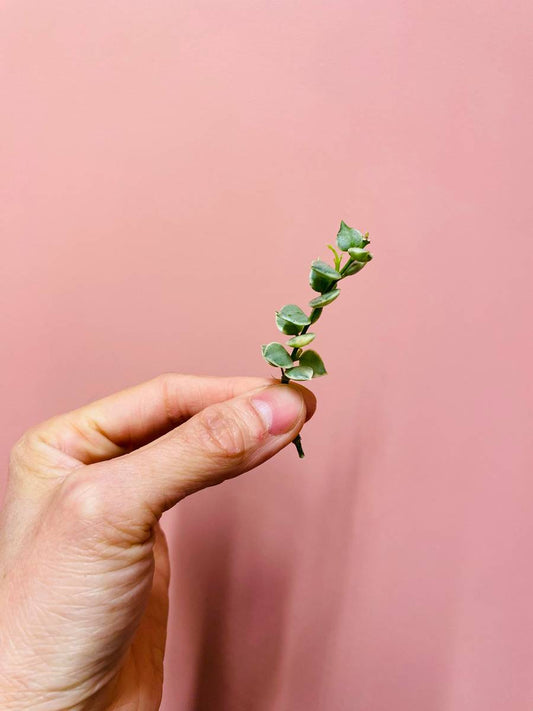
168	171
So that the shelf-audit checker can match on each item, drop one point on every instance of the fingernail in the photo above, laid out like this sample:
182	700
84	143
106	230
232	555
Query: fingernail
279	406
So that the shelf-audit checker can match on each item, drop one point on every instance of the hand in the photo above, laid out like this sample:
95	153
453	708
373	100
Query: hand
83	560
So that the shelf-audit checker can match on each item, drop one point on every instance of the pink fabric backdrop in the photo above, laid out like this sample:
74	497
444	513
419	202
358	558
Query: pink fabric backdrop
168	171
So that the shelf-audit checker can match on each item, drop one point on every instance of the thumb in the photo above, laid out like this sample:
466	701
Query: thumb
221	441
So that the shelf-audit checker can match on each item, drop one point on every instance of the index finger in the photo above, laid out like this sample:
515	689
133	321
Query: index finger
128	419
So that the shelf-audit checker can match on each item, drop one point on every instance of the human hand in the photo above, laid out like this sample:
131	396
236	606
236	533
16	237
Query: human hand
83	560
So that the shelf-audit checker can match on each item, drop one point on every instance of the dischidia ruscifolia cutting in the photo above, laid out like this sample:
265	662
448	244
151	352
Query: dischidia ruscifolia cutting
302	364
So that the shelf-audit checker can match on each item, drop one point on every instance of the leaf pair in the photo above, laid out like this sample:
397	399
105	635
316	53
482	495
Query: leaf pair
354	242
310	364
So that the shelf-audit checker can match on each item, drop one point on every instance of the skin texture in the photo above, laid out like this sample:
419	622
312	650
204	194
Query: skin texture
84	568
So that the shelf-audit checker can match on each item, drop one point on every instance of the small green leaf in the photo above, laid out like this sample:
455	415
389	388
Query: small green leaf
337	256
324	299
319	283
295	315
291	319
301	341
312	360
299	373
275	354
360	255
322	276
353	268
290	329
325	270
348	237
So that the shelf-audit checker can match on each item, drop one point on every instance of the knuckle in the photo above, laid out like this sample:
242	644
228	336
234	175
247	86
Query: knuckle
94	519
168	380
220	434
21	452
18	452
83	498
93	501
229	432
168	386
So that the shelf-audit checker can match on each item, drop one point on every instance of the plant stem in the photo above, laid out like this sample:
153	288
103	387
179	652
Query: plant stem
350	260
304	330
297	441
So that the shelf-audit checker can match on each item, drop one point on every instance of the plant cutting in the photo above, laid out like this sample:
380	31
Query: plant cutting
291	320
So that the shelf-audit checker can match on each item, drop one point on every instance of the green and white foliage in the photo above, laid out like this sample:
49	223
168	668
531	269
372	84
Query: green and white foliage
292	321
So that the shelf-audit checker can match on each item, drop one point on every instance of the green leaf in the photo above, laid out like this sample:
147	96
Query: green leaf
286	326
294	314
324	299
275	354
325	270
312	360
360	255
301	341
322	276
291	319
337	256
353	268
348	237
299	373
319	283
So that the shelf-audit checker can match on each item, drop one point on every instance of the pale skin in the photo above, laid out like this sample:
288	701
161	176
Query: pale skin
84	567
